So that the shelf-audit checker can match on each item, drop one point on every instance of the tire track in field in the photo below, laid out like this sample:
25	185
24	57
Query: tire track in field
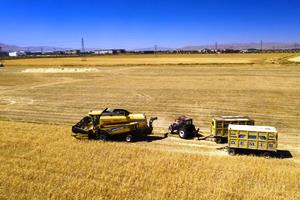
28	87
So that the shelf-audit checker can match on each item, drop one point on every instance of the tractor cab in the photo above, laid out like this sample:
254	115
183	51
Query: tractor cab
184	120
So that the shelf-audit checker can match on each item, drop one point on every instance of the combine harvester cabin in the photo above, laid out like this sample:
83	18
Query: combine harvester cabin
219	126
257	139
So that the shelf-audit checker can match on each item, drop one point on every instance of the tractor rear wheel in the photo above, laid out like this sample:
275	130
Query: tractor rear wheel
183	133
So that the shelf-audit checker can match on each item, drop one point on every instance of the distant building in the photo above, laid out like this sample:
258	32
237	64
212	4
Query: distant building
117	51
230	51
250	51
206	50
148	52
58	52
72	51
98	52
17	53
109	51
48	53
35	53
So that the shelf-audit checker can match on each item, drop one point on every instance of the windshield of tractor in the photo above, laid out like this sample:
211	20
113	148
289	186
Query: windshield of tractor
189	122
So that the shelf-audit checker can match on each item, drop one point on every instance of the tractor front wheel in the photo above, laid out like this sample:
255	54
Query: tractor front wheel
171	129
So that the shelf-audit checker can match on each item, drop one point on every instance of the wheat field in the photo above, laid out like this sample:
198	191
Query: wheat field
40	100
42	161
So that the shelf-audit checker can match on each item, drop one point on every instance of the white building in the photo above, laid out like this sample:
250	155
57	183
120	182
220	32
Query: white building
103	51
17	53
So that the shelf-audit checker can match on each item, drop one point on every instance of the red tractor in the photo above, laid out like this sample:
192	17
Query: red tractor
184	127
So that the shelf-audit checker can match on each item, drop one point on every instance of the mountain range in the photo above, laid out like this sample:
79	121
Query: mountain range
236	46
8	47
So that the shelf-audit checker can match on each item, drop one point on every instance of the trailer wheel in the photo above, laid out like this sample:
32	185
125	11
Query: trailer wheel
231	152
267	154
183	133
218	140
129	138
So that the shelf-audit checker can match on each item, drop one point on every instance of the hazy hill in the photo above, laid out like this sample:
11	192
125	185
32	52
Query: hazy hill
239	46
7	47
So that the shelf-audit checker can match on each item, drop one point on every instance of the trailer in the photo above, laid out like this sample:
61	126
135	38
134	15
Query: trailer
219	126
257	139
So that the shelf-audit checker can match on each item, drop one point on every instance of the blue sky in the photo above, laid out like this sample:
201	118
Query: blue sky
137	23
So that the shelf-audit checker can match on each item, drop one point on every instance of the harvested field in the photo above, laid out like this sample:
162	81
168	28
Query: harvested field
40	160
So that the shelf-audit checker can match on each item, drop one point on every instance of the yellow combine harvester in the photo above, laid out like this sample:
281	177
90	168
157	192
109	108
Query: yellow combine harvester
260	139
101	125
